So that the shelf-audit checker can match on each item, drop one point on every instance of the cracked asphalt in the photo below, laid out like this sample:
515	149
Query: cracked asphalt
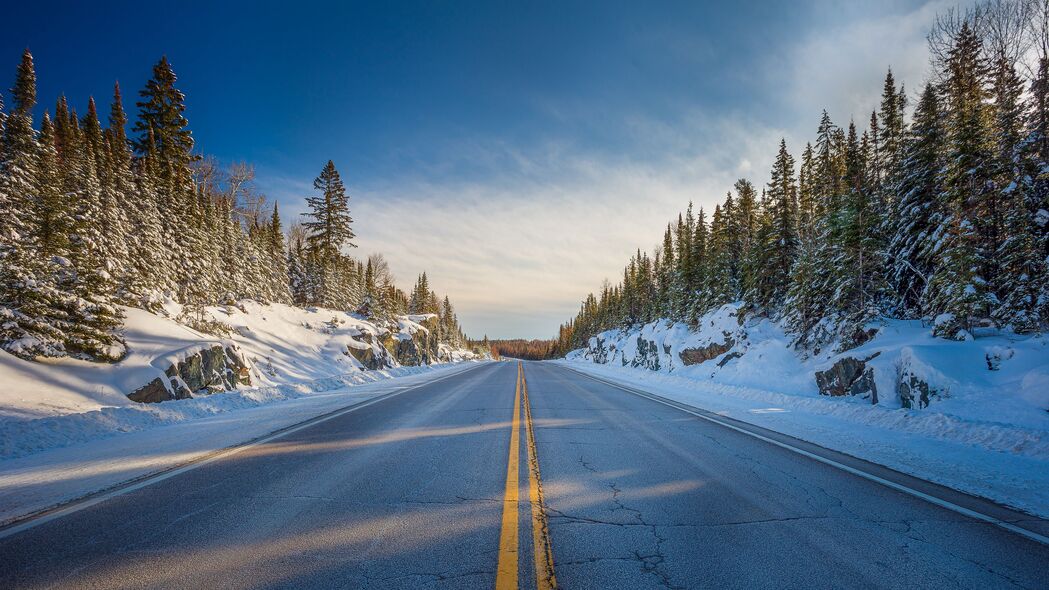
408	493
641	495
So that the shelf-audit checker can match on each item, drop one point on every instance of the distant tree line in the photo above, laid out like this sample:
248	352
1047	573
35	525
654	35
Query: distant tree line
91	218
531	350
944	218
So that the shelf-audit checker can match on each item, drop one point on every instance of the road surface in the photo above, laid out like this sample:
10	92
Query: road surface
435	487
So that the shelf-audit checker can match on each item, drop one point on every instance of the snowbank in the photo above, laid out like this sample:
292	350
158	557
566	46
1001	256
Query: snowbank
985	428
291	352
173	433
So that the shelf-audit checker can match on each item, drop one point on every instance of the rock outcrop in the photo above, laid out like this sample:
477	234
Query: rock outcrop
371	352
414	343
417	347
914	391
215	369
848	376
694	356
598	352
647	355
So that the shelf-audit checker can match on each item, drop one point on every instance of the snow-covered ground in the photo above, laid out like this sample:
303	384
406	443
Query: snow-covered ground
984	431
285	344
67	427
184	430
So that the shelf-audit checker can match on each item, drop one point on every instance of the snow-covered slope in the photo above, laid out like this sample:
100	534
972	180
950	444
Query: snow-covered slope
984	427
288	352
999	376
283	344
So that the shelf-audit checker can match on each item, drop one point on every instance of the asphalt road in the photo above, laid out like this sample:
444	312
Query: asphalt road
410	492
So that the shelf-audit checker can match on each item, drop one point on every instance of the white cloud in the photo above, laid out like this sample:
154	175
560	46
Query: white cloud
517	247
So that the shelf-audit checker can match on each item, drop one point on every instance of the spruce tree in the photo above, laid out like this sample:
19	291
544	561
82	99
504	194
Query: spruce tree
32	318
718	288
161	114
1021	266
329	229
134	191
916	225
1036	154
782	245
961	293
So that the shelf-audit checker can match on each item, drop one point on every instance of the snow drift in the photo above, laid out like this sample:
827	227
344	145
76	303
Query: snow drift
972	414
272	352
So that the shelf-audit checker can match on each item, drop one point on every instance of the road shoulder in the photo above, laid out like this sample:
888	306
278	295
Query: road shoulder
40	482
970	479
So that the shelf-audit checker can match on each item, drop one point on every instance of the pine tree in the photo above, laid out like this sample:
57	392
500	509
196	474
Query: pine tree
696	270
1036	154
146	270
807	191
917	222
857	273
329	229
666	275
161	113
718	289
782	245
892	130
277	263
32	318
961	295
746	225
1021	266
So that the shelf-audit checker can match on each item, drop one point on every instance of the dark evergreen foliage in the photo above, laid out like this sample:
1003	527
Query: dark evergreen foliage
945	219
87	224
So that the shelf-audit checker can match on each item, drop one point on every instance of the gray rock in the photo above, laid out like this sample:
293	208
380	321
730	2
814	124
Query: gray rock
848	376
694	356
729	357
647	355
914	392
374	358
151	393
209	371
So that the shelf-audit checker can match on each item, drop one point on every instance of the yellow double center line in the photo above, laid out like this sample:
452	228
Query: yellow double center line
509	541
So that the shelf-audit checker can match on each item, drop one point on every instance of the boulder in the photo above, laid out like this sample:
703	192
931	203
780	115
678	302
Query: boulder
151	393
848	376
208	371
647	355
373	355
597	351
915	392
694	356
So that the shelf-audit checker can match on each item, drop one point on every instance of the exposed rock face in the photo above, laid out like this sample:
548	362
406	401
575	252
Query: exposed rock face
914	392
729	357
209	371
374	356
598	352
151	393
848	376
419	348
694	356
389	349
647	355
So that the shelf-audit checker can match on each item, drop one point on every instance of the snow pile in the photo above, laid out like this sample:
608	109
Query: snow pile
997	377
292	352
976	417
19	438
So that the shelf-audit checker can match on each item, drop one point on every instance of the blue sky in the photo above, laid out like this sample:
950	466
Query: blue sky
518	151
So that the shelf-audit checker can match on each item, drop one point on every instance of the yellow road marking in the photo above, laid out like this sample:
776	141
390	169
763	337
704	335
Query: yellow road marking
544	555
506	571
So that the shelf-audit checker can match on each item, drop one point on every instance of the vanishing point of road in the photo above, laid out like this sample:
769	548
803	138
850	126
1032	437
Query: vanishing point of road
510	475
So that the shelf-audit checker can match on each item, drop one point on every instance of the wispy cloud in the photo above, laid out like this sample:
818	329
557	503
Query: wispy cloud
516	234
